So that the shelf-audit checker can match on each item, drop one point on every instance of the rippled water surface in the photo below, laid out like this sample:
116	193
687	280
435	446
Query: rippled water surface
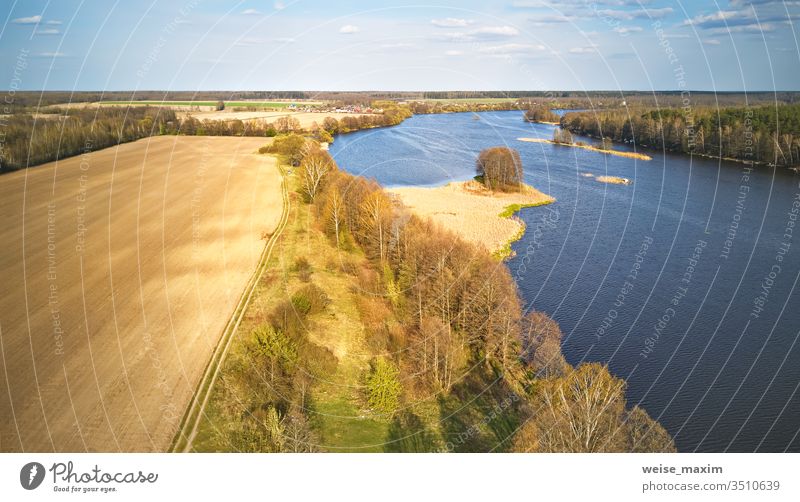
684	282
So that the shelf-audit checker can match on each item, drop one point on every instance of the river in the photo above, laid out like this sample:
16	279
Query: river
684	282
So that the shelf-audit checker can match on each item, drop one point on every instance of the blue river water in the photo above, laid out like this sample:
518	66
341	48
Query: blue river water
684	282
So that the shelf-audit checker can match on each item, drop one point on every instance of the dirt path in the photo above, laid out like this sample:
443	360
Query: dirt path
196	411
120	270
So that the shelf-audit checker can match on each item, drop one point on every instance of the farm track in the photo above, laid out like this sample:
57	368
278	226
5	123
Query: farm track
195	413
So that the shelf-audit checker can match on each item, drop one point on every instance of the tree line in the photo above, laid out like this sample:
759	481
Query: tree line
28	140
762	134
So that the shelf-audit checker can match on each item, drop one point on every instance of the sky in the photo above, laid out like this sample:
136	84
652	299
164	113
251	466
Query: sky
722	45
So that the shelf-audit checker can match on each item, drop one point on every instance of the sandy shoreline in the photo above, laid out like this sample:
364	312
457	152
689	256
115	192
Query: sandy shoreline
478	215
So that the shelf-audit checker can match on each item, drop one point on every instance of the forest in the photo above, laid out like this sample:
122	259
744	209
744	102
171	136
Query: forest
761	134
456	362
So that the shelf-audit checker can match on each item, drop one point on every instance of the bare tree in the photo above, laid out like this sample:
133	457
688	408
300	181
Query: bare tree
541	338
501	168
580	412
314	167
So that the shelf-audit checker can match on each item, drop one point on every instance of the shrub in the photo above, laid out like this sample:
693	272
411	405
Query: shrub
318	360
374	314
312	298
301	303
303	268
288	319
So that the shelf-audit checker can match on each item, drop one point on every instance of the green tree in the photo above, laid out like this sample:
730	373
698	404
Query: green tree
291	146
276	348
383	387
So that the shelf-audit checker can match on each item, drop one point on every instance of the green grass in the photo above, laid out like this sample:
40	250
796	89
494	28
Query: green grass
506	251
344	429
508	212
511	209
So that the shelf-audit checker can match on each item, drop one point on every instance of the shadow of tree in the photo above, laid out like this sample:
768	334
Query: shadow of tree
408	434
480	413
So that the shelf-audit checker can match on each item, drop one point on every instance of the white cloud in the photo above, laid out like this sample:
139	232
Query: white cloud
741	21
27	20
47	31
397	46
285	40
628	15
485	33
746	28
279	5
51	55
500	31
458	37
546	19
453	53
451	22
54	22
250	12
348	29
627	30
711	41
583	50
512	49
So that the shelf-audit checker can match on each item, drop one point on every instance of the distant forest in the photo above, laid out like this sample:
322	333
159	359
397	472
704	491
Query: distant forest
762	134
586	99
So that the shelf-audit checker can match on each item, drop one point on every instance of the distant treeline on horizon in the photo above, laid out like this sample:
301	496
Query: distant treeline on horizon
652	98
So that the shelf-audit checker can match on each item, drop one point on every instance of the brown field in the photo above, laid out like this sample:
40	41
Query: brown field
472	211
120	269
86	104
306	119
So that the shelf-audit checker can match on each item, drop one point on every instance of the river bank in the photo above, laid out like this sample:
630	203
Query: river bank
475	213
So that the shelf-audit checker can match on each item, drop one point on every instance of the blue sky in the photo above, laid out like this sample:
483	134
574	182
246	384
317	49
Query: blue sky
727	45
